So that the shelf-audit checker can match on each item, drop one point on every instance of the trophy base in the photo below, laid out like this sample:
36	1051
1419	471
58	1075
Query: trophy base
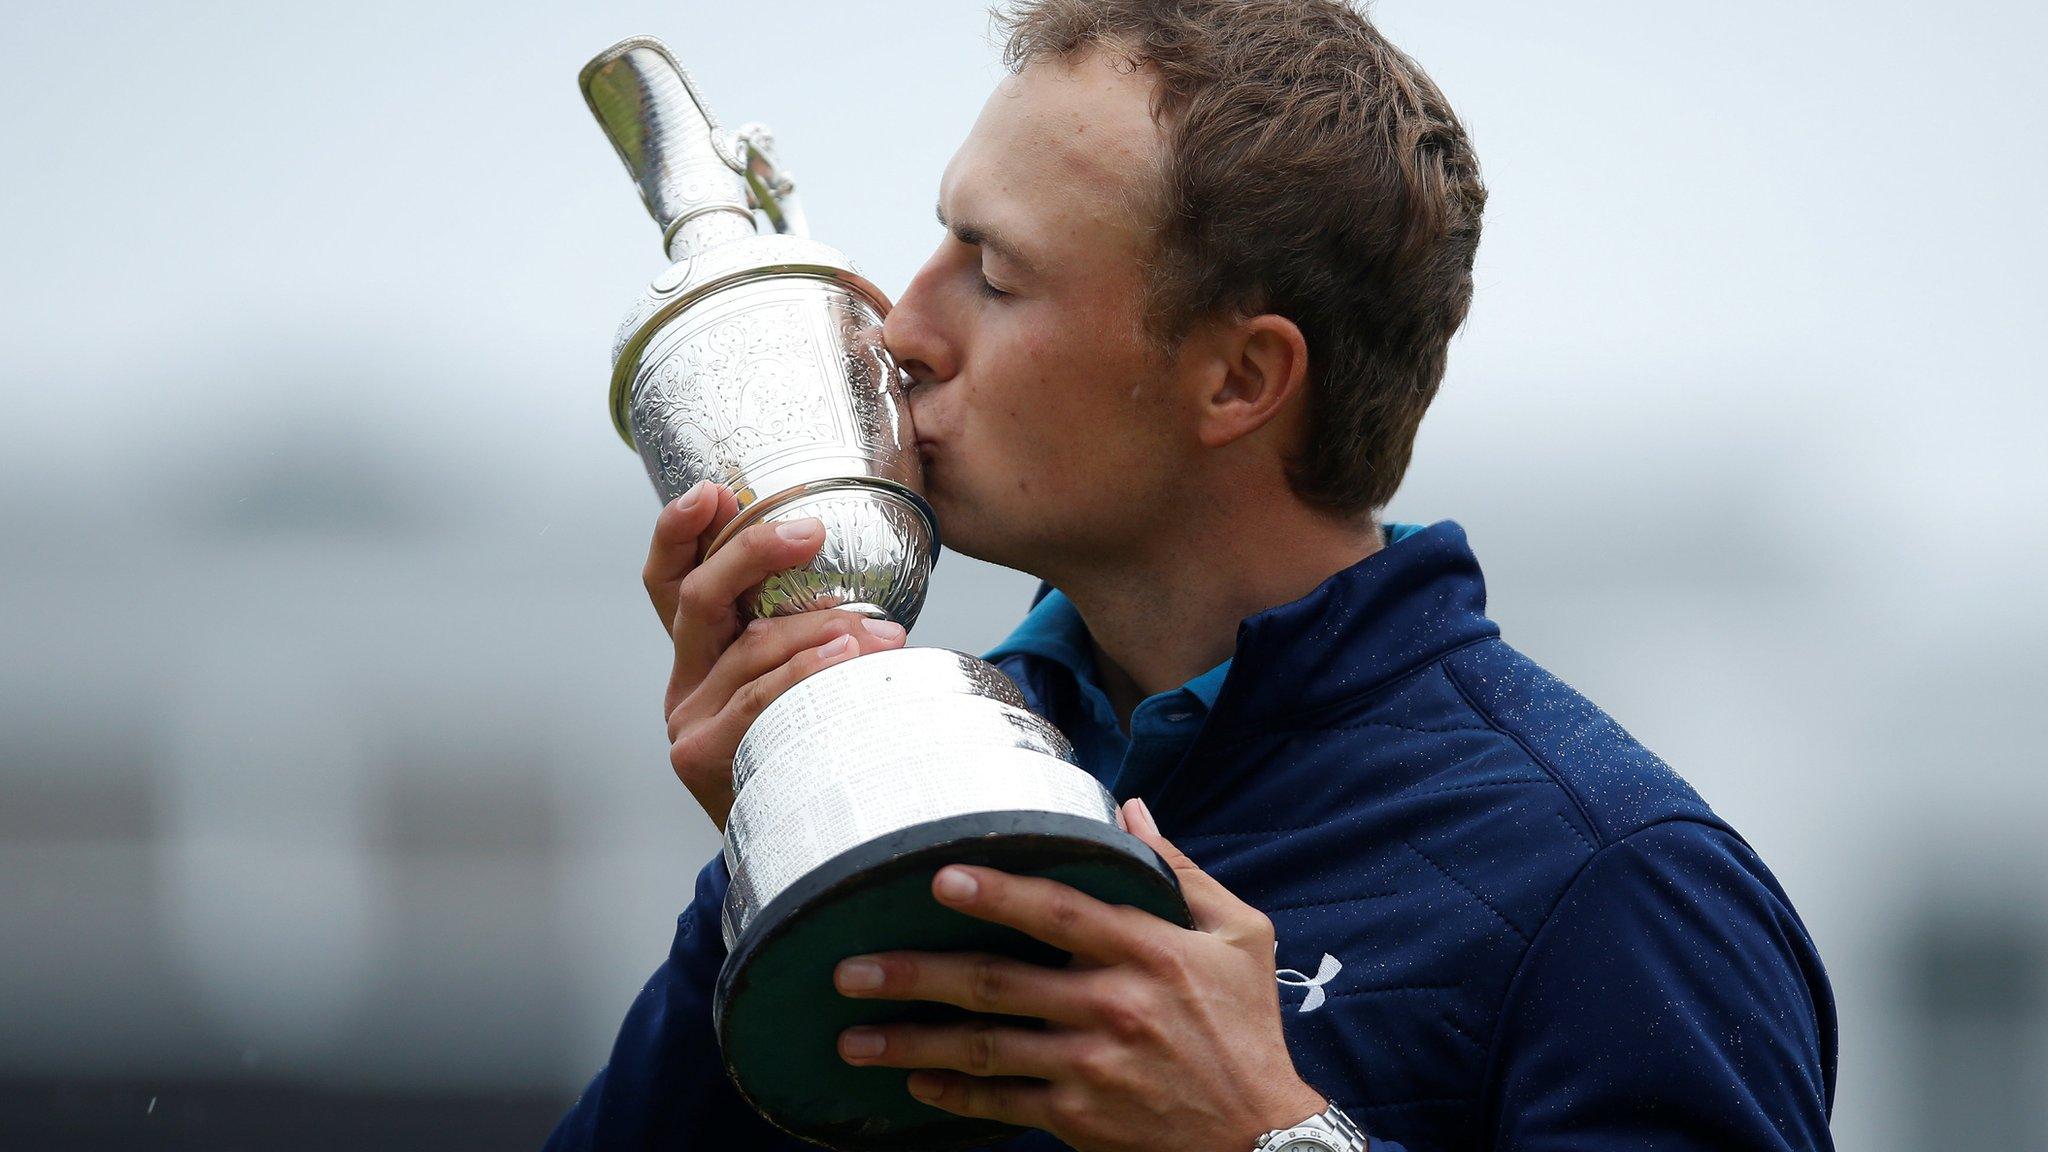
778	1016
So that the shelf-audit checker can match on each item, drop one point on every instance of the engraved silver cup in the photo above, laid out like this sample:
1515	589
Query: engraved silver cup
755	360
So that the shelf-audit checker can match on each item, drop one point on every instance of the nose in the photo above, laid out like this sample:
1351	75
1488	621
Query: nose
916	332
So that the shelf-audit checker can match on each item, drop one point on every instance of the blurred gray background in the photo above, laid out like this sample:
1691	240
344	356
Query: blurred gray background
334	806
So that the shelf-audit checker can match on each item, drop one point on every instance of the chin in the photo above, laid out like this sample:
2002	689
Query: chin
984	529
963	531
959	531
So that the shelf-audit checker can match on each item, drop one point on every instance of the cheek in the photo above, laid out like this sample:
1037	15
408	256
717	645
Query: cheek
1053	405
1050	404
1015	395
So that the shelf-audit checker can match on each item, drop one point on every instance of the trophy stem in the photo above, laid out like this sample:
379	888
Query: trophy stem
707	229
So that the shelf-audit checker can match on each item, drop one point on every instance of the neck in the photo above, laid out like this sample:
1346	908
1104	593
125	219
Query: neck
1167	610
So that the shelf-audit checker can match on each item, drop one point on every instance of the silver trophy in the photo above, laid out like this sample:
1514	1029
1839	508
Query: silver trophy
755	360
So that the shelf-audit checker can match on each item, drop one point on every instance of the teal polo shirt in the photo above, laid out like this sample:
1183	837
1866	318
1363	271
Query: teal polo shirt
1162	725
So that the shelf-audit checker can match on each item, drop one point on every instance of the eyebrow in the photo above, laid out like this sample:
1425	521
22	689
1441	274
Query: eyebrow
981	237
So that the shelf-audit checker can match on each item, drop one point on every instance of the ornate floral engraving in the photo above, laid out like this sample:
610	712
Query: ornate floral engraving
746	386
877	552
782	389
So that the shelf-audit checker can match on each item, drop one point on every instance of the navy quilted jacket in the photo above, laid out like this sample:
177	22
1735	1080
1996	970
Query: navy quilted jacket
1503	923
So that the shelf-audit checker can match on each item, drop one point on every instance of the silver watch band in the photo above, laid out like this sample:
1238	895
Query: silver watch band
1330	1129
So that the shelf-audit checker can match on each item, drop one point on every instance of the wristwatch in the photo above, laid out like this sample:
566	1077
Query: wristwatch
1327	1131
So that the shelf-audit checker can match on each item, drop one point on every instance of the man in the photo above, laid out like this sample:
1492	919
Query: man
1203	261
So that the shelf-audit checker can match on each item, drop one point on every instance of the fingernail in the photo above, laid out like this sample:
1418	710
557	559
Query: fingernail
955	884
840	647
861	1043
924	1086
802	529
858	976
883	629
1144	817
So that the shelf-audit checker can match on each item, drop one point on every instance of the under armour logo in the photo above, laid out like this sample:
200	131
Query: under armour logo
1325	972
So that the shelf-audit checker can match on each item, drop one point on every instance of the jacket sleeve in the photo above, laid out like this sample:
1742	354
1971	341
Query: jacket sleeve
1672	1001
666	1086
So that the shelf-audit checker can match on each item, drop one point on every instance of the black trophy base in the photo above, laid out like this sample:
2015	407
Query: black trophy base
779	1018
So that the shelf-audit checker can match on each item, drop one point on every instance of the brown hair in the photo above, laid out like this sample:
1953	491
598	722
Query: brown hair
1312	171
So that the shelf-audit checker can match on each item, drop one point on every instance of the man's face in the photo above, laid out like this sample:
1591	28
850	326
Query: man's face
1050	425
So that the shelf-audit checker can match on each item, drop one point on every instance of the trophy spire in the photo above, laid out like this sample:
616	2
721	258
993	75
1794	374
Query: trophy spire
693	181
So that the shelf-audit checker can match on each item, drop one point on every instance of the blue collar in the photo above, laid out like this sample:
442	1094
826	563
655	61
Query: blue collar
1370	624
1053	630
1162	726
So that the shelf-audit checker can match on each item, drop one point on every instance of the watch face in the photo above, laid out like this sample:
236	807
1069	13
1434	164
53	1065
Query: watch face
1307	1144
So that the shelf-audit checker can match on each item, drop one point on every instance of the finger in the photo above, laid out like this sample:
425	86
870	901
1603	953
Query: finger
766	645
707	601
1025	1103
738	714
728	506
1212	905
701	748
674	550
995	985
1062	916
978	1048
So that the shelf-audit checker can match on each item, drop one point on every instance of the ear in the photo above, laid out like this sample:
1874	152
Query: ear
1262	368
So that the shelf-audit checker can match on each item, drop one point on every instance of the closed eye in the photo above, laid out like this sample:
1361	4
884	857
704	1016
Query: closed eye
976	237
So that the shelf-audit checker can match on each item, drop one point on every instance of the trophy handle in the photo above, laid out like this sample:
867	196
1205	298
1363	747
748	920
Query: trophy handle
768	184
701	185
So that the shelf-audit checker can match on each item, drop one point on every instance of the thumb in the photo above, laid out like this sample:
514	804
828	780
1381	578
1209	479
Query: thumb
1214	908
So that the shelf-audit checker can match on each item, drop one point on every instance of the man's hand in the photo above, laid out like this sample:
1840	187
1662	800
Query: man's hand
1156	1037
727	669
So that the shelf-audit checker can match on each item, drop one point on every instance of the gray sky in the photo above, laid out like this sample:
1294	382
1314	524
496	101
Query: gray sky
1801	225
